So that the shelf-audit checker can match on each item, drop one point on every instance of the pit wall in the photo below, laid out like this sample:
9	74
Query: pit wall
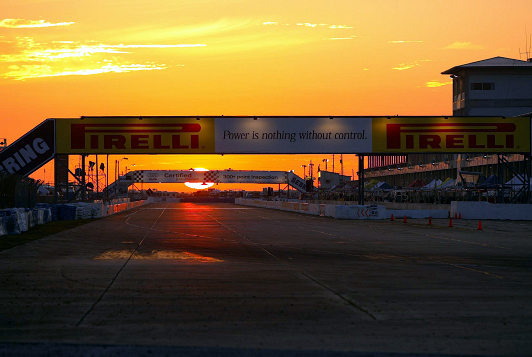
317	209
462	209
18	220
486	210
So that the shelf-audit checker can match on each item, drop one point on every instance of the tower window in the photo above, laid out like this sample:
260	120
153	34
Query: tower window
483	86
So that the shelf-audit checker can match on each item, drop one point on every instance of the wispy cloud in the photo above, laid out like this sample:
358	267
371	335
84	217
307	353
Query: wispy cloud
68	49
310	24
210	30
405	66
68	58
318	27
306	24
181	45
340	27
22	23
49	54
463	46
39	71
405	41
436	84
341	38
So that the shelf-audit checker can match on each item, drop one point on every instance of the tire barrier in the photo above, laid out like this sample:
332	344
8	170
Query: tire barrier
18	220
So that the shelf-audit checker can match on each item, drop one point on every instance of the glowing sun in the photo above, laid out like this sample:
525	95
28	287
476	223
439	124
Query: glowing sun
199	185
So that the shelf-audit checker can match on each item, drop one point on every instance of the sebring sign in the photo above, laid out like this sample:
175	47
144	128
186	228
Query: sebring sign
29	152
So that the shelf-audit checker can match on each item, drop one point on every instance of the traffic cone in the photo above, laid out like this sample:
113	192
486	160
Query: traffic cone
460	215
391	218
430	221
455	215
450	222
404	219
479	228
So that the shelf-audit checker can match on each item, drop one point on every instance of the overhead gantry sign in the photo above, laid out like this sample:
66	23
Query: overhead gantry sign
215	176
265	135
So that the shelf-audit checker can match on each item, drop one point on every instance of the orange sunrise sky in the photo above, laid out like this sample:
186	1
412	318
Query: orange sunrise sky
233	57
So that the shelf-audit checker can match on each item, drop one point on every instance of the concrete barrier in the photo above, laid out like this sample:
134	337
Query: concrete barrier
417	213
334	211
360	212
486	210
314	209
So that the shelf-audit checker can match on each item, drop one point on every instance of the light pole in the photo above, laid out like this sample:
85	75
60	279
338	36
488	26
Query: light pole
311	169
333	162
325	161
118	166
304	171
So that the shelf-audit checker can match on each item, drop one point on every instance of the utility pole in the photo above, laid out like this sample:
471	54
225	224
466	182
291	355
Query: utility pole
304	171
311	169
333	163
342	164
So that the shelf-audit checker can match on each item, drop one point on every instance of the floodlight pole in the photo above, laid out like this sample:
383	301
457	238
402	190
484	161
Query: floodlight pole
97	177
107	180
360	179
83	180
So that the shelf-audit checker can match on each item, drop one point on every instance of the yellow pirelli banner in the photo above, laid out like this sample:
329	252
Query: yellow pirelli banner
135	135
451	134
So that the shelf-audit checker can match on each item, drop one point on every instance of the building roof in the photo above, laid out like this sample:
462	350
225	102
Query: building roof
498	62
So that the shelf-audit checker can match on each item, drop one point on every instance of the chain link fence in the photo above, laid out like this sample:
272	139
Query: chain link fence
18	191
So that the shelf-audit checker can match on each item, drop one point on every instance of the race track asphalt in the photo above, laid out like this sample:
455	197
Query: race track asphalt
234	280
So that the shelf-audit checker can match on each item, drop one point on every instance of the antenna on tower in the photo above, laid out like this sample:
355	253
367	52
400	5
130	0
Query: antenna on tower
528	47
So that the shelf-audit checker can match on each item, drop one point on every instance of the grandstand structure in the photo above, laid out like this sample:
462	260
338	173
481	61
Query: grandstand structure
497	86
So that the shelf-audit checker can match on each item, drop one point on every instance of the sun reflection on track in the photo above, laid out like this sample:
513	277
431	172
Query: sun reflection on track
157	255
